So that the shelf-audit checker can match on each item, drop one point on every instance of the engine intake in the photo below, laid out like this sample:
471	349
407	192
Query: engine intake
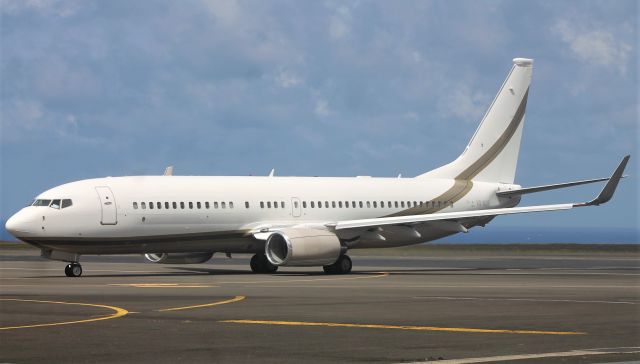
178	258
302	247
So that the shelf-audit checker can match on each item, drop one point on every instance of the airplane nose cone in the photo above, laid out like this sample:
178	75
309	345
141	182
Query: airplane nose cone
16	225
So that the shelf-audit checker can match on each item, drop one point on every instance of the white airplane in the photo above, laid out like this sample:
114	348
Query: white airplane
293	221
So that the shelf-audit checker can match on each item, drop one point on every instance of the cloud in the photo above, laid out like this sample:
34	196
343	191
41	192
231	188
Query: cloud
59	8
287	79
594	46
464	103
322	108
339	23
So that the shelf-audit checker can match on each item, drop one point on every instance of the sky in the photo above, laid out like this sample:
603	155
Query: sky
315	88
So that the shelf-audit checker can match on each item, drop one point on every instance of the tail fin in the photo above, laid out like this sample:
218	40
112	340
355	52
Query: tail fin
492	153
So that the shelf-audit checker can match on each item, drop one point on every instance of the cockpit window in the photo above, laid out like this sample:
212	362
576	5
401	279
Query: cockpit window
55	203
41	203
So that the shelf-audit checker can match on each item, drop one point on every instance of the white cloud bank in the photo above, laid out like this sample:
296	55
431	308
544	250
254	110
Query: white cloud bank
594	46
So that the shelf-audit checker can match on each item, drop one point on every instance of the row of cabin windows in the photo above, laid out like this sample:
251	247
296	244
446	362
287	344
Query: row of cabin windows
311	204
268	204
182	205
362	204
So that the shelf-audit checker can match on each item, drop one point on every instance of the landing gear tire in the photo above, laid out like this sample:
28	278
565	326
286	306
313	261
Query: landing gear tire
73	270
260	264
342	266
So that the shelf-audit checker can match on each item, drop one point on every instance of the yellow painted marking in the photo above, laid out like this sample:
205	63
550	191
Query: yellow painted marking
235	299
395	327
378	275
161	285
119	312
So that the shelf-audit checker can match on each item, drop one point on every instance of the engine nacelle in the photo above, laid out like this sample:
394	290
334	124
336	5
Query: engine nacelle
178	258
302	247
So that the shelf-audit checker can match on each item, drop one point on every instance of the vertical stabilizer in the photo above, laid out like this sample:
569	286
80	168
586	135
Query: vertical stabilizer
492	153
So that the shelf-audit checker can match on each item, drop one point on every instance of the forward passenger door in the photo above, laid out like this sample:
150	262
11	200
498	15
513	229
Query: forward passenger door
107	205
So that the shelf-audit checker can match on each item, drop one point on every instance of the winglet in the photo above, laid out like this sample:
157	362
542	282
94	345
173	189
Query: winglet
608	190
168	171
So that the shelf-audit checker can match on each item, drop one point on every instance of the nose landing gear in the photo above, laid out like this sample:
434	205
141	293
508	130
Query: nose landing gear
73	270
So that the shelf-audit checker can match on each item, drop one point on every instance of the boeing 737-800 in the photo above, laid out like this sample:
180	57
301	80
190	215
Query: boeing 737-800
293	221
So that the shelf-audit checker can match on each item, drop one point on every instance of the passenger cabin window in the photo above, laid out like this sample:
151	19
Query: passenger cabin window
231	204
166	205
190	205
151	205
261	204
143	205
368	204
135	205
326	204
340	204
215	204
282	204
333	204
158	205
375	204
360	204
269	204
182	205
199	205
312	205
246	204
304	204
175	205
206	204
224	206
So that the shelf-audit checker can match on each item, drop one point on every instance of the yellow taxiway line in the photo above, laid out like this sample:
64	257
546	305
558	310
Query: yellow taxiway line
396	327
162	285
235	299
119	312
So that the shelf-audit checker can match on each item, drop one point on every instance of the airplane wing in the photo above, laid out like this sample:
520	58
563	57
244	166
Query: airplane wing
454	217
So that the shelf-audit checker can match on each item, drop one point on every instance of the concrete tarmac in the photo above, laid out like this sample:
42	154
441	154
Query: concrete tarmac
453	305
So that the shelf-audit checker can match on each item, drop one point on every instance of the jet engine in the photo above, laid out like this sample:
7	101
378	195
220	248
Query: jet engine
302	247
178	258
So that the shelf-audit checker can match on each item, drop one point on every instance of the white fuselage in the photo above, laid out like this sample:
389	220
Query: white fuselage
114	214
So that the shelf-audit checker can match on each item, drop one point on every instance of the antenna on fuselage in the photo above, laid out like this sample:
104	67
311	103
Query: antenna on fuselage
273	171
168	171
400	175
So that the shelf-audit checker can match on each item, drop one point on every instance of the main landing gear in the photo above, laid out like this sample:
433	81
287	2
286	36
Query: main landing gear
341	266
260	264
73	269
